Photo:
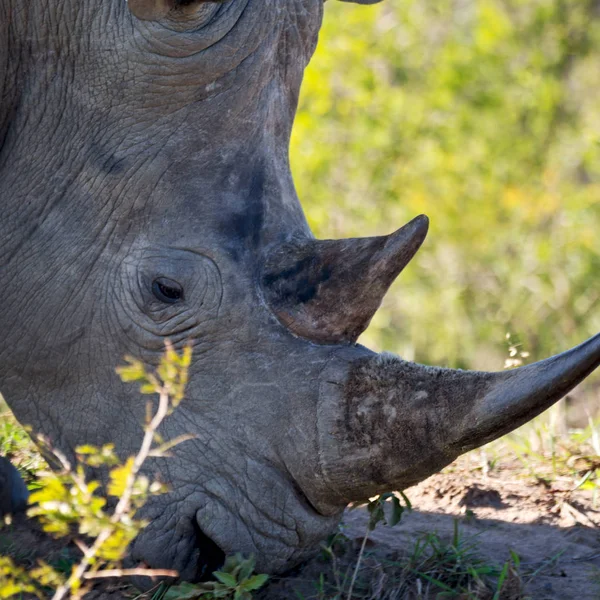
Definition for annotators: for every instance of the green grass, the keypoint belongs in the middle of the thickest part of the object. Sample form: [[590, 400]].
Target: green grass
[[433, 567], [537, 452], [16, 445]]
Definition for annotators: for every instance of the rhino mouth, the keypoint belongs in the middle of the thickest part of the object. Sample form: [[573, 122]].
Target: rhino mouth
[[211, 557], [275, 522]]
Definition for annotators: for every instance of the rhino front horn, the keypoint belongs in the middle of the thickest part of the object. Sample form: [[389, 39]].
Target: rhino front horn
[[385, 423], [327, 291]]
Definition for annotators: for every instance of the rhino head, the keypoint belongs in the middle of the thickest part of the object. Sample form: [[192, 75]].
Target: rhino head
[[146, 194]]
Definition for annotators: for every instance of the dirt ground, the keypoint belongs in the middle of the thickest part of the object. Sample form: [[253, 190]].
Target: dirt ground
[[554, 530]]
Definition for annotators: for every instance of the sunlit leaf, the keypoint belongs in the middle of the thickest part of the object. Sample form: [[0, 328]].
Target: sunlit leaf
[[119, 477]]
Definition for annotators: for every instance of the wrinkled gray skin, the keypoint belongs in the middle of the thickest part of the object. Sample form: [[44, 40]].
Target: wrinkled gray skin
[[156, 146]]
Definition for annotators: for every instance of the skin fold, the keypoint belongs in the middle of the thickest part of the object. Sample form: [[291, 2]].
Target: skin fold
[[145, 148]]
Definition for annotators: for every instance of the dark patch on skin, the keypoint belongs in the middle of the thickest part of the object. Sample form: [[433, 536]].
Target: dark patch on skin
[[255, 213], [234, 253], [245, 229], [298, 268], [107, 162], [305, 291], [308, 287], [299, 283]]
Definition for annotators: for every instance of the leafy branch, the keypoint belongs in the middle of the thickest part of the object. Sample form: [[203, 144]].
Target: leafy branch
[[68, 500]]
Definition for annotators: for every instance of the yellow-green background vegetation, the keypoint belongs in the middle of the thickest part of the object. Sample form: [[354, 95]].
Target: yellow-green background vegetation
[[485, 115]]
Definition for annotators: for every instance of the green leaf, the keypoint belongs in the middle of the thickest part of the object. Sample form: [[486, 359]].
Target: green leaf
[[256, 582], [376, 511], [186, 357], [134, 371], [226, 578], [183, 591], [231, 563], [45, 575], [501, 580], [437, 582], [245, 567], [515, 558], [148, 388], [406, 500], [87, 449], [396, 513], [118, 478]]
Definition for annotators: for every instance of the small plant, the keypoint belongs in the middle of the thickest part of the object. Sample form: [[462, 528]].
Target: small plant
[[516, 355], [236, 581], [433, 567], [16, 445], [67, 501], [455, 570], [377, 514]]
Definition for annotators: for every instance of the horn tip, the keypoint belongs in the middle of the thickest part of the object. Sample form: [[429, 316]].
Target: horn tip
[[422, 222], [411, 235]]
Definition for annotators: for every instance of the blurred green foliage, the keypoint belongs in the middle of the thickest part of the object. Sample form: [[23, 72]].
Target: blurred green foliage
[[485, 115]]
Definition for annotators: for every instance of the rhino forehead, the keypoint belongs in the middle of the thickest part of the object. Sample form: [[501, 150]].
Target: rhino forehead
[[128, 116]]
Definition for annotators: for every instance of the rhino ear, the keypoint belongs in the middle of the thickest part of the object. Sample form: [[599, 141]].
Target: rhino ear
[[362, 1], [154, 10]]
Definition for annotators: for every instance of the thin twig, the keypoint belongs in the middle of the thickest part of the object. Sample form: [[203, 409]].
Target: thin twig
[[358, 561], [131, 573], [124, 503]]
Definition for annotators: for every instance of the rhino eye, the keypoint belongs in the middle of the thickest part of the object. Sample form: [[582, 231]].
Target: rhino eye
[[167, 290]]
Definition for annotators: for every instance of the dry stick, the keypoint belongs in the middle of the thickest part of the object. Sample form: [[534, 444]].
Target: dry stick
[[123, 505], [358, 560], [131, 573]]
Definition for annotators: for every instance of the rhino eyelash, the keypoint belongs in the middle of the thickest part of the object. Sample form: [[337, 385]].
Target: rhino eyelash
[[167, 291]]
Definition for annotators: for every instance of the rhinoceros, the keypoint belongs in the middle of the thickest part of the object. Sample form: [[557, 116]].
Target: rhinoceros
[[146, 195]]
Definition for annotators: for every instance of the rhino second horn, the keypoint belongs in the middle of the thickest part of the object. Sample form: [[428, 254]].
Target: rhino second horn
[[327, 291]]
